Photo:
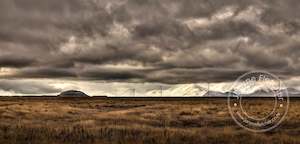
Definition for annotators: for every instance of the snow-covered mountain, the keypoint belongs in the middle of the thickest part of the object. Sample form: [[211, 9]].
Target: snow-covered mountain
[[223, 91], [292, 92], [180, 90]]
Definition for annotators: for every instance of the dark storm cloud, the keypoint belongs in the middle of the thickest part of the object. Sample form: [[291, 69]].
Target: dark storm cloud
[[112, 74], [174, 41], [46, 72], [262, 58], [13, 61], [178, 75]]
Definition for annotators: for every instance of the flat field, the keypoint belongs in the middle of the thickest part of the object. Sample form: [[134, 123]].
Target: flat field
[[46, 120]]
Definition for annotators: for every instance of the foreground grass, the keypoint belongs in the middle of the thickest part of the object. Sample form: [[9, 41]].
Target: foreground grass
[[51, 121], [120, 135]]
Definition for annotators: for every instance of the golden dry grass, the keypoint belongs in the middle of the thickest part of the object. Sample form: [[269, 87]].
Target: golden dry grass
[[134, 121]]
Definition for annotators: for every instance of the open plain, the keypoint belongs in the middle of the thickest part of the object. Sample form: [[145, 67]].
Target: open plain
[[44, 120]]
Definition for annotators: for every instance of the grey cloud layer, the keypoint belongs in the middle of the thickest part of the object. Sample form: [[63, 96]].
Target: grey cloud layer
[[27, 87], [167, 41]]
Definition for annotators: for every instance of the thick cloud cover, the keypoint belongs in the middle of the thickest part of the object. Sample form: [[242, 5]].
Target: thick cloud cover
[[165, 41]]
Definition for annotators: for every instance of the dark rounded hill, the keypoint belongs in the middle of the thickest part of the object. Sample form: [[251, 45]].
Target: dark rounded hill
[[73, 94]]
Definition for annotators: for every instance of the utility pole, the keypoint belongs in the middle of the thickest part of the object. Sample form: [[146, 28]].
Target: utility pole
[[161, 91], [134, 92], [208, 87]]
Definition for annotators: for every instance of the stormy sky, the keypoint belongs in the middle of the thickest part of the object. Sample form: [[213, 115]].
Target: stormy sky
[[144, 41]]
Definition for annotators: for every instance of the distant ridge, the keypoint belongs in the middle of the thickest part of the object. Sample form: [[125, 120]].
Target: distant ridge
[[215, 94], [73, 94]]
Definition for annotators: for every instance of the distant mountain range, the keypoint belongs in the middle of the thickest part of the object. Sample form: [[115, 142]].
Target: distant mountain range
[[190, 90], [215, 94], [292, 92], [179, 90]]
